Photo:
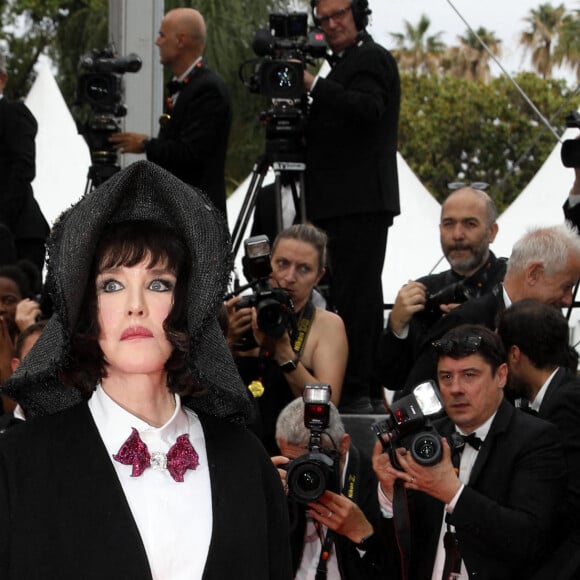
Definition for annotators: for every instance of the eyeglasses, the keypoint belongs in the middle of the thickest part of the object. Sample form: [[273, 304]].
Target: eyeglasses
[[481, 185], [458, 346], [338, 15]]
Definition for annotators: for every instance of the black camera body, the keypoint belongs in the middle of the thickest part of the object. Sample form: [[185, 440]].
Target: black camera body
[[455, 293], [570, 152], [310, 475], [274, 307], [100, 87], [284, 48], [409, 426]]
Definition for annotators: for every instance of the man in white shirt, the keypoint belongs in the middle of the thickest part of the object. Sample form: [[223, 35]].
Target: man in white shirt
[[500, 507]]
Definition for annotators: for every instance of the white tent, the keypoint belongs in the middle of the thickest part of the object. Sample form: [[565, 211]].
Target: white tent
[[62, 156], [539, 204]]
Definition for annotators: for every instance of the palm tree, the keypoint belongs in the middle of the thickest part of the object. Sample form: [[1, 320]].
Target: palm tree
[[567, 50], [415, 51], [470, 60], [544, 25]]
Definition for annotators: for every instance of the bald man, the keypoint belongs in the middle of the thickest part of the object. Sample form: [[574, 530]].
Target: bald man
[[467, 227], [195, 126]]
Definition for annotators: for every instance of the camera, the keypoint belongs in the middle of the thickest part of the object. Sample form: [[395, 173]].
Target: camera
[[409, 426], [570, 152], [274, 307], [100, 87], [455, 293], [283, 50], [310, 475]]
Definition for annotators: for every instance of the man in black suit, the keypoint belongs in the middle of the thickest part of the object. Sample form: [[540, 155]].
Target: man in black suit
[[349, 516], [467, 227], [496, 514], [19, 211], [194, 131], [544, 265], [352, 187], [536, 338]]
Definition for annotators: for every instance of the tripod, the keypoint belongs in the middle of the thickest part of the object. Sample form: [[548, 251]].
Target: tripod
[[97, 174], [283, 170]]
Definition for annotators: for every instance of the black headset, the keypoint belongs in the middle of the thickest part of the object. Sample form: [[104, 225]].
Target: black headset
[[360, 13]]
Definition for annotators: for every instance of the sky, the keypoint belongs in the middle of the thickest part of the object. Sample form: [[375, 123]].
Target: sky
[[503, 17]]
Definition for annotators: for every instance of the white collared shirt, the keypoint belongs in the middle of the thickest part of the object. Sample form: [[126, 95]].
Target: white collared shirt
[[537, 402], [174, 519]]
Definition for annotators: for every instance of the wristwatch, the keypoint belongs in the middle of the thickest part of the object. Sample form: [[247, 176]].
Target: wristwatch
[[289, 365], [364, 543]]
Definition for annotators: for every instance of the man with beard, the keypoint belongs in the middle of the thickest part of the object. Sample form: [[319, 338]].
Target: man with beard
[[535, 337], [468, 225], [544, 265]]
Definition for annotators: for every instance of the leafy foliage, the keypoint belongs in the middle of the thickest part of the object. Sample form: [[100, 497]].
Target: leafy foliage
[[454, 129]]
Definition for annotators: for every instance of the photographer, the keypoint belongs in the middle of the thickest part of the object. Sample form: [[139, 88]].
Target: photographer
[[350, 516], [319, 351], [467, 227], [19, 210], [193, 136], [352, 190], [492, 518]]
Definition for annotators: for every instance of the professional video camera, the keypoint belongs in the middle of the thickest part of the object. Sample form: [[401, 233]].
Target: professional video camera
[[311, 474], [274, 307], [100, 87], [408, 426], [283, 50], [570, 152]]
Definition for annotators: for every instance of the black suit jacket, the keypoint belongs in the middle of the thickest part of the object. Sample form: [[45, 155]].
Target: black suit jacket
[[64, 514], [506, 514], [351, 136], [561, 406], [398, 356], [19, 210], [193, 144], [483, 310]]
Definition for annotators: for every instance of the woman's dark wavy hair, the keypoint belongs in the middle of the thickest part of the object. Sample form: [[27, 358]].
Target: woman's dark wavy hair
[[128, 244]]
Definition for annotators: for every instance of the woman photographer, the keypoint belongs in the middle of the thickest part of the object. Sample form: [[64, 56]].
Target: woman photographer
[[153, 476], [278, 370]]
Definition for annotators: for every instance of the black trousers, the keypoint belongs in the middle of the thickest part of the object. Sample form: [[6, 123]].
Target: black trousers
[[357, 246]]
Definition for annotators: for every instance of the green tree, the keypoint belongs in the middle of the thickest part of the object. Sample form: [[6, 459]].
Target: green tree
[[543, 27], [453, 129], [415, 51]]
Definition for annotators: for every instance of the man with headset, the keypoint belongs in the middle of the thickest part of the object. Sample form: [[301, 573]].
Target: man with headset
[[351, 179]]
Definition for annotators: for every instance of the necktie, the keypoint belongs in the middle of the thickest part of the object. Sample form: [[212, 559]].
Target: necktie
[[472, 440], [180, 457]]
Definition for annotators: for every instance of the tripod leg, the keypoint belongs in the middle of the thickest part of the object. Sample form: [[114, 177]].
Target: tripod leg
[[247, 208]]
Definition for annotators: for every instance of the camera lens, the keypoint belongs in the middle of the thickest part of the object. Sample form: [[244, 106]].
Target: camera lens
[[426, 449], [306, 481]]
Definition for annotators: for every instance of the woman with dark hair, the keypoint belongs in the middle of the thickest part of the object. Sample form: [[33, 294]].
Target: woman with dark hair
[[136, 463]]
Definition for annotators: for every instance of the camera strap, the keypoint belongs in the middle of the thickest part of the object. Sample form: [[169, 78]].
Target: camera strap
[[402, 523], [452, 566], [303, 327], [322, 568]]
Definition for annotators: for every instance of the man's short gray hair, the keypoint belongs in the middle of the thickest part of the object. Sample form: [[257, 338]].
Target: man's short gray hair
[[290, 424], [549, 245], [2, 62]]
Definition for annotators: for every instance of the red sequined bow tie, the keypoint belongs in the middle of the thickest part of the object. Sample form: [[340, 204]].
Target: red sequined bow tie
[[180, 457]]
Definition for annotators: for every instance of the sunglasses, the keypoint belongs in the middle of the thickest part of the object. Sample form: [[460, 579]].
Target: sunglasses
[[481, 185], [458, 346]]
